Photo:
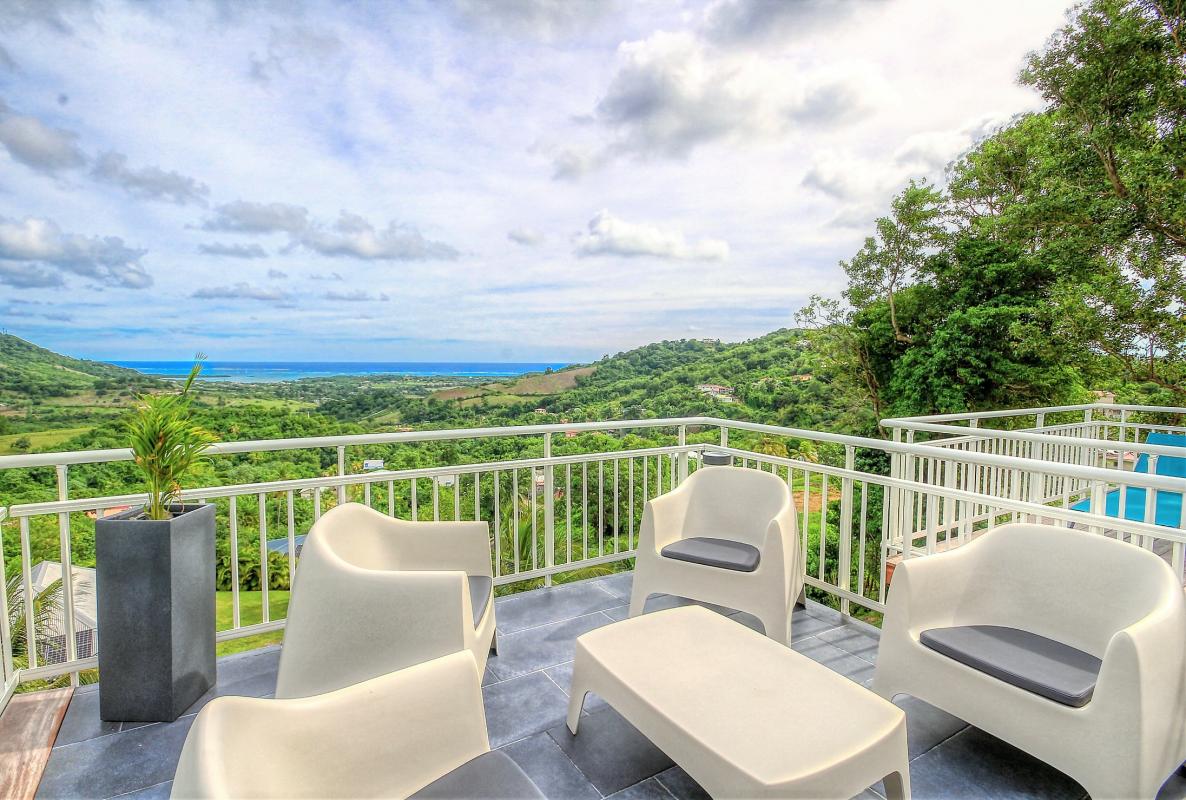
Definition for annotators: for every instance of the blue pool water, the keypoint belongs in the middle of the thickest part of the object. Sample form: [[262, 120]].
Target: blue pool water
[[1168, 505], [270, 371]]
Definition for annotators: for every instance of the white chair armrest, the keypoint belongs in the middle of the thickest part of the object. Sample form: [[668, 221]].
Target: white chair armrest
[[924, 590], [663, 520], [781, 546], [461, 546], [1142, 674], [389, 736]]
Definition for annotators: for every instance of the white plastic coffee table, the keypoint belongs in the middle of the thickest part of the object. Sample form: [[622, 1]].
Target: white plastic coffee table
[[743, 715]]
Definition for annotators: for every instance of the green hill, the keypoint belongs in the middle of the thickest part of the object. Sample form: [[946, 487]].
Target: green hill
[[768, 379], [29, 372]]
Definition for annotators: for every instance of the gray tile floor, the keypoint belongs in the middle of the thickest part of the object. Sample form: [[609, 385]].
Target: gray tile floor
[[525, 689]]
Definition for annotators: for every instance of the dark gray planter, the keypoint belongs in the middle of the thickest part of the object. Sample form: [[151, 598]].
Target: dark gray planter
[[155, 596]]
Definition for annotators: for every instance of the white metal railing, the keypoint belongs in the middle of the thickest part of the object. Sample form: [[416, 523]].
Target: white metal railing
[[557, 514], [1100, 436]]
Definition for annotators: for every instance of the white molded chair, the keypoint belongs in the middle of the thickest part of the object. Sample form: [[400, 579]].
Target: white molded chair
[[1069, 645], [374, 594], [726, 535], [419, 732]]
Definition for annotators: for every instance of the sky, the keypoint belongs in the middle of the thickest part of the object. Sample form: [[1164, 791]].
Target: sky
[[498, 180]]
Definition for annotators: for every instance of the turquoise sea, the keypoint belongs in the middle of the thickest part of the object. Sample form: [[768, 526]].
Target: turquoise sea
[[271, 371]]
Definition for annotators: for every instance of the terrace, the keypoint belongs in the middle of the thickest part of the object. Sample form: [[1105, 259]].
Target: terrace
[[575, 511]]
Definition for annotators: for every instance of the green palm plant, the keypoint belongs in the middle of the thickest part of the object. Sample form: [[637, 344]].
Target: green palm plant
[[167, 443], [47, 606]]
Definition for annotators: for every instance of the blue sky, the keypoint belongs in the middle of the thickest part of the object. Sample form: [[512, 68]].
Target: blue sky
[[474, 179]]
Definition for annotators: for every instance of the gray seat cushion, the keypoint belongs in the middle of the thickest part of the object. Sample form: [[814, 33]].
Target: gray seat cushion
[[489, 776], [479, 595], [722, 553], [1026, 660]]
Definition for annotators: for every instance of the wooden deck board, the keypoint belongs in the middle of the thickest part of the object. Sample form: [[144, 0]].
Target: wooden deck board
[[28, 728]]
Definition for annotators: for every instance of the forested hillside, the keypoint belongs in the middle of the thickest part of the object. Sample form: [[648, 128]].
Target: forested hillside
[[29, 372], [1054, 260]]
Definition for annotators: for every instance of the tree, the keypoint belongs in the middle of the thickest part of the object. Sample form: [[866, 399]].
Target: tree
[[890, 259]]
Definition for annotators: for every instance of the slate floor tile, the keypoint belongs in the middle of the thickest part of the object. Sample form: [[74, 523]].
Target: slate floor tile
[[517, 708], [82, 720], [835, 659], [681, 785], [550, 769], [973, 764], [529, 610], [926, 726], [561, 674], [619, 585], [545, 646], [159, 792], [115, 764], [852, 640], [610, 751], [649, 789]]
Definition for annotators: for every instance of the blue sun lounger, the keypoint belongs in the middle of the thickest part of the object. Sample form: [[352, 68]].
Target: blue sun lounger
[[1169, 504]]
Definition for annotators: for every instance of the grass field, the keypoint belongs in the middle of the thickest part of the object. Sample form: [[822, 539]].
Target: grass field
[[250, 612], [39, 440]]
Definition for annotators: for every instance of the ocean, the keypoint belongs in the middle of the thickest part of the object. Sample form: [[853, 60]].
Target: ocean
[[272, 371]]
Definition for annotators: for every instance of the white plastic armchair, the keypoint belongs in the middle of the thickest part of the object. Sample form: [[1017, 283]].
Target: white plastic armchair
[[751, 559], [1116, 602], [374, 594], [420, 731]]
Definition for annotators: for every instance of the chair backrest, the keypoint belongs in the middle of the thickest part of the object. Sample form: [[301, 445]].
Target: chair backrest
[[358, 535], [1073, 586], [733, 503]]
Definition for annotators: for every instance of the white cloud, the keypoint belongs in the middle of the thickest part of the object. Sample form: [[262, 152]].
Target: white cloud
[[355, 237], [39, 146], [241, 291], [232, 250], [244, 216], [528, 237], [545, 19], [746, 22], [36, 246], [149, 183], [356, 296], [609, 235], [277, 274]]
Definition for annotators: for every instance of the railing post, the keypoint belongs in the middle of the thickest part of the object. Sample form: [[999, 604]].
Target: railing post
[[67, 561], [889, 526], [7, 671], [683, 456], [341, 474], [724, 436], [844, 569], [549, 513]]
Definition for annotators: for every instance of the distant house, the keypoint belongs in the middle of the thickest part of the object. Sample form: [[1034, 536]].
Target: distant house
[[108, 512], [51, 638], [716, 391], [801, 378], [541, 411]]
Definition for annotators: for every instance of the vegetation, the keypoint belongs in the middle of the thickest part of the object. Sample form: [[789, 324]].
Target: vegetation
[[1053, 261], [166, 444]]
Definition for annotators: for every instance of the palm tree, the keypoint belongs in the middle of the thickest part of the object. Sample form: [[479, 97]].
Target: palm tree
[[48, 608]]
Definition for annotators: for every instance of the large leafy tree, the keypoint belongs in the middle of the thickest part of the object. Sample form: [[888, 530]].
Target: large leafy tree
[[1064, 259]]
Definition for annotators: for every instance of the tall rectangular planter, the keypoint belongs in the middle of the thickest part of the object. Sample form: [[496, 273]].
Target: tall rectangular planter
[[155, 600]]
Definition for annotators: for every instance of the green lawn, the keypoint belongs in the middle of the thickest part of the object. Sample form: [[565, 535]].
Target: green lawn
[[39, 440], [250, 612]]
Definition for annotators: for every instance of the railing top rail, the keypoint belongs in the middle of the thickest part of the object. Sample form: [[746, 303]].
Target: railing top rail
[[902, 422], [919, 449], [334, 481], [1044, 438], [351, 440], [954, 493]]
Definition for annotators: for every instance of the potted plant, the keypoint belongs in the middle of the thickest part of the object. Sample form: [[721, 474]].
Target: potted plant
[[155, 574]]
